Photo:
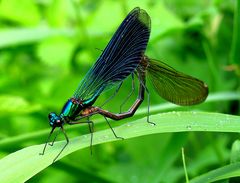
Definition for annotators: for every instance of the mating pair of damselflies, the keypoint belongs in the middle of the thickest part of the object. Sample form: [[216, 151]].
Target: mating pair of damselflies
[[124, 56]]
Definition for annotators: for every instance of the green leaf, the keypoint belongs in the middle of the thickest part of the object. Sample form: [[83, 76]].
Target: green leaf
[[228, 171], [56, 51], [235, 152], [25, 13], [94, 21], [166, 21], [16, 105], [57, 13], [235, 54], [216, 97], [184, 166], [20, 36], [23, 164]]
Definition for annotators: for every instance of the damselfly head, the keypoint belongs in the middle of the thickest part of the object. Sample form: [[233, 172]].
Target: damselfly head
[[55, 120]]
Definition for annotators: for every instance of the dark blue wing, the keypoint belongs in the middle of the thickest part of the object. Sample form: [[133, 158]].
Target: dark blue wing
[[121, 56]]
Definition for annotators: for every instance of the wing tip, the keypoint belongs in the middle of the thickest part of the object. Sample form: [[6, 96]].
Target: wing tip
[[142, 16]]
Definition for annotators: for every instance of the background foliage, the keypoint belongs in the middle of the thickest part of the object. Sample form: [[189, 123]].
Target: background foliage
[[46, 48]]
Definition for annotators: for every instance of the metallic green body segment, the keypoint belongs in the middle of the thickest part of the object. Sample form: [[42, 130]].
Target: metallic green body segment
[[73, 107]]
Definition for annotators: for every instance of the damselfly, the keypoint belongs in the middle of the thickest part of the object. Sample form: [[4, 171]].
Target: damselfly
[[123, 57]]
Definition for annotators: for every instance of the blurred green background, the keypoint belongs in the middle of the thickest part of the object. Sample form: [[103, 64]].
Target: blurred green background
[[46, 48]]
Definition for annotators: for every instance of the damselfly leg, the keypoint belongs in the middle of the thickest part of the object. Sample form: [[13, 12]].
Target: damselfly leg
[[90, 126], [114, 94], [148, 101], [67, 141], [112, 129], [130, 94], [54, 139], [49, 136]]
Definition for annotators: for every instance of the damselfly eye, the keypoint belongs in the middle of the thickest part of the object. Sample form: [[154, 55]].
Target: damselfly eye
[[51, 115]]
